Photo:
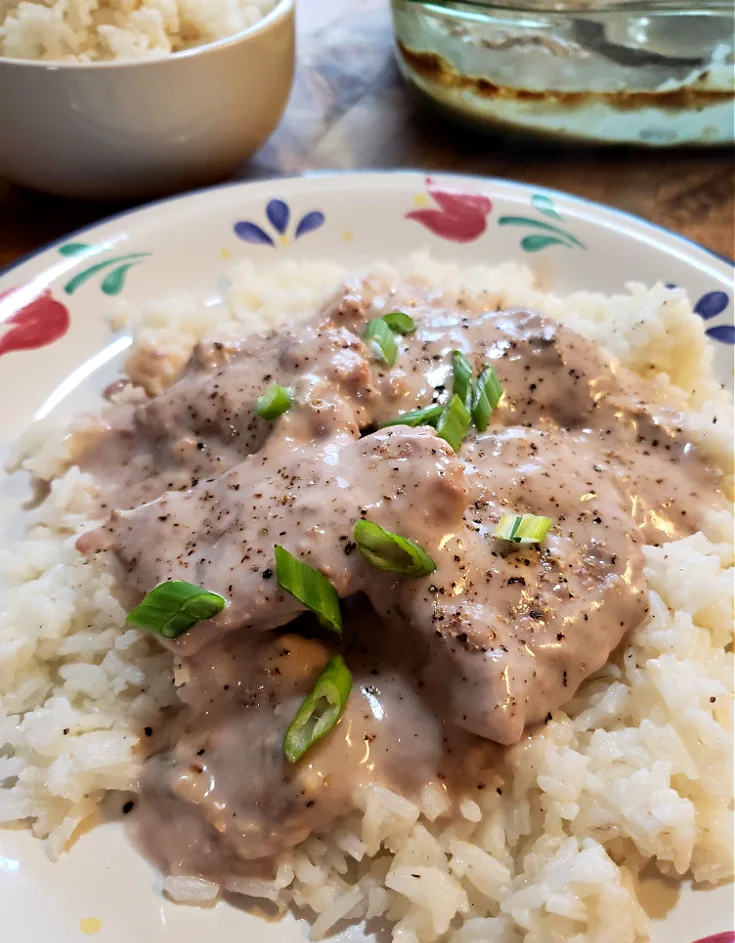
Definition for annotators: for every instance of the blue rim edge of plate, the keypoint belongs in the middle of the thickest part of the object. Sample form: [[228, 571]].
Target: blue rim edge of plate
[[407, 171]]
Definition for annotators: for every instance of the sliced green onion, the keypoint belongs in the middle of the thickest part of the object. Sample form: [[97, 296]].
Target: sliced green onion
[[388, 551], [380, 340], [487, 395], [273, 403], [399, 322], [175, 606], [523, 529], [417, 417], [453, 422], [310, 587], [320, 711], [507, 526], [462, 377]]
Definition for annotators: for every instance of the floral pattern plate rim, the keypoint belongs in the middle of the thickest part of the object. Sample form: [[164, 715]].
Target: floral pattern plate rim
[[56, 355]]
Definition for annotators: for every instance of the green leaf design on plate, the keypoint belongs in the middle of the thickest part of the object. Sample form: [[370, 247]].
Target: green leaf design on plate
[[114, 283], [537, 242], [538, 224], [551, 235], [545, 205], [84, 276], [74, 248]]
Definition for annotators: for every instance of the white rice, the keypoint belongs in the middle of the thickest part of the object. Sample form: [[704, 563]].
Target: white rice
[[636, 769], [104, 30]]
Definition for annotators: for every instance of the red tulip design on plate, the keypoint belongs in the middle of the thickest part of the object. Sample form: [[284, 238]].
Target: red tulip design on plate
[[37, 323], [461, 217]]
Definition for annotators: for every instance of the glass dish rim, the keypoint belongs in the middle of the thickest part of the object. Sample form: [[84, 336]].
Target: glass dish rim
[[595, 7]]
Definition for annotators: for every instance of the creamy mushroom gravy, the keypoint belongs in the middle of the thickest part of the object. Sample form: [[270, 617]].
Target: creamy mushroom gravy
[[498, 636], [221, 793]]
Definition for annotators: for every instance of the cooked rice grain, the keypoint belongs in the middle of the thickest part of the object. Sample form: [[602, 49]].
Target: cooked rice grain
[[103, 30]]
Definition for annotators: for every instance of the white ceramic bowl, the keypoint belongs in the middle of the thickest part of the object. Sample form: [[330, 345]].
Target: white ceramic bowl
[[143, 128]]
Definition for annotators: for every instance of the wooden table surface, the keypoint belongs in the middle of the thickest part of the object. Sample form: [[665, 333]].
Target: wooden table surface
[[350, 109]]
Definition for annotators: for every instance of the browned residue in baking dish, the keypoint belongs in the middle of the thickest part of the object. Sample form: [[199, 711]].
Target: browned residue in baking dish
[[434, 68]]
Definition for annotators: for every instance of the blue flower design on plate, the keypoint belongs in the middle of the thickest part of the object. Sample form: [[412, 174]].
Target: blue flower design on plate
[[709, 306], [278, 214], [725, 333]]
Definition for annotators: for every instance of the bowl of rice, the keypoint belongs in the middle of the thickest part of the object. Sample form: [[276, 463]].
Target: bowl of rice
[[137, 98]]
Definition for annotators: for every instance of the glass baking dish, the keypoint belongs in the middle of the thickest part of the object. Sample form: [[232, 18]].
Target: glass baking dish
[[656, 73]]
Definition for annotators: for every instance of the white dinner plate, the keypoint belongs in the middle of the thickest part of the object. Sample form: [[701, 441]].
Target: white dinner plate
[[56, 354]]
